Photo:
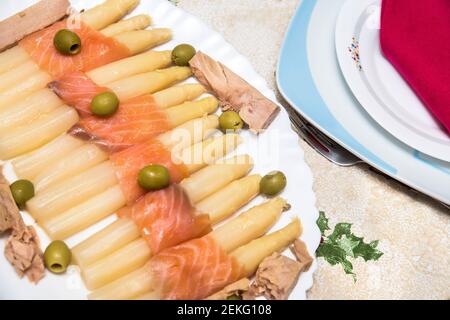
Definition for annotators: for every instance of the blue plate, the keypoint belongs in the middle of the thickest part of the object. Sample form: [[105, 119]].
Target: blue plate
[[309, 78]]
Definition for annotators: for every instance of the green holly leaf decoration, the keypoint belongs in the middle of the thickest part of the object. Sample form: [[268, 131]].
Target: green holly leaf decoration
[[341, 229], [342, 244], [334, 254], [368, 251], [348, 245], [322, 222]]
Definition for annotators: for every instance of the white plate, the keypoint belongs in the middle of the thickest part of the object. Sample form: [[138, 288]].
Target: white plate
[[376, 84], [278, 149], [310, 79]]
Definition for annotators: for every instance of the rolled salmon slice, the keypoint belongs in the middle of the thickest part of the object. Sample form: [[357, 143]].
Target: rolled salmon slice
[[77, 90], [97, 49], [167, 218], [129, 162], [136, 121], [194, 270]]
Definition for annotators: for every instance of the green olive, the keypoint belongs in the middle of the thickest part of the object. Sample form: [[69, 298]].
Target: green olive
[[57, 256], [154, 177], [230, 120], [22, 191], [273, 183], [105, 104], [67, 42], [182, 54]]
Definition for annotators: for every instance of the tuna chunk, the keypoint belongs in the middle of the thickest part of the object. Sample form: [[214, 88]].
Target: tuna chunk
[[238, 288], [277, 275], [22, 248], [234, 92], [23, 252], [32, 19]]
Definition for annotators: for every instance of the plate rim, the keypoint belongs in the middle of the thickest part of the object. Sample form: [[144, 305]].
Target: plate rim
[[303, 17], [309, 5], [367, 101]]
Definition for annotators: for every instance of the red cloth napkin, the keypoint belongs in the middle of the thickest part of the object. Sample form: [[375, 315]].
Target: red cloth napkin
[[415, 38]]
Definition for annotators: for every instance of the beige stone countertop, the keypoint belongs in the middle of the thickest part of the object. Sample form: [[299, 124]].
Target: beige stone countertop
[[413, 230]]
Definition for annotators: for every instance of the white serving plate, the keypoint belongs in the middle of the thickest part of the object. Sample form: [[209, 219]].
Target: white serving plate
[[309, 78], [379, 87], [277, 148]]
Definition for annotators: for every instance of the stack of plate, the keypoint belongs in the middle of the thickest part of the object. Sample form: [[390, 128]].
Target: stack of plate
[[333, 73]]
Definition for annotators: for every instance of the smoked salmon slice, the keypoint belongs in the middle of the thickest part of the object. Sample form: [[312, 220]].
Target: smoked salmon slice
[[194, 270], [96, 50], [129, 162], [167, 218], [137, 121], [77, 90]]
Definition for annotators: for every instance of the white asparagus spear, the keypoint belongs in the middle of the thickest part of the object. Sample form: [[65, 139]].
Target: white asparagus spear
[[148, 82], [128, 287], [14, 76], [144, 62], [97, 18], [141, 40], [135, 41], [240, 191], [177, 95], [252, 254], [44, 100], [30, 165], [92, 248], [136, 253], [84, 214], [108, 12], [89, 155], [73, 191], [189, 133], [235, 232], [49, 126], [28, 109], [39, 132], [15, 145], [253, 224], [25, 88], [12, 58], [151, 295], [118, 234], [106, 174], [77, 218], [194, 185], [138, 22], [207, 152], [121, 262], [101, 244], [79, 160], [178, 115]]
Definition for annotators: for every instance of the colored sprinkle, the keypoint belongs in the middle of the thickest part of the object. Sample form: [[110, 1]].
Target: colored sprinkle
[[354, 50]]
